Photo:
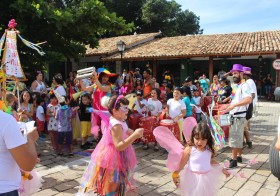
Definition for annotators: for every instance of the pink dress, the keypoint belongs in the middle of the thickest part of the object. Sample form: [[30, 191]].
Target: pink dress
[[110, 172], [199, 177]]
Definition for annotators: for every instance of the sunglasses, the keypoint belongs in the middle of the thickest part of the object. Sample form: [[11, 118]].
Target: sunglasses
[[124, 108]]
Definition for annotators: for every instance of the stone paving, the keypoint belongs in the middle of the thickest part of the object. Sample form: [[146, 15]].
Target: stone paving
[[62, 175]]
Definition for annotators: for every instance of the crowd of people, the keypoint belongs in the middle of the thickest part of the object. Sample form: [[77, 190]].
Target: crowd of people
[[102, 110]]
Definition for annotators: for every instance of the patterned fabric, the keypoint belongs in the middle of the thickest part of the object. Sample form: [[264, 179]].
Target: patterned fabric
[[149, 123], [52, 124], [63, 117]]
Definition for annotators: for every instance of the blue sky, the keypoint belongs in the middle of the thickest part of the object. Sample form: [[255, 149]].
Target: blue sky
[[229, 16]]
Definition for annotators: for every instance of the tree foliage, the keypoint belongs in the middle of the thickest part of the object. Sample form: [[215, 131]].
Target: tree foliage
[[154, 15], [66, 25]]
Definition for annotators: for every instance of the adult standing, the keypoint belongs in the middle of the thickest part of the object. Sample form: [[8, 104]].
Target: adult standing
[[268, 85], [16, 153], [254, 94], [225, 90], [237, 109], [58, 85], [148, 84], [188, 82], [214, 87], [38, 85], [101, 88], [204, 83]]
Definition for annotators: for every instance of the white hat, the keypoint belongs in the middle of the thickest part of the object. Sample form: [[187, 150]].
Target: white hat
[[60, 98]]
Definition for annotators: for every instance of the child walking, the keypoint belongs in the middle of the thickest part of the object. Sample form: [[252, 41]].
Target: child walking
[[40, 116], [65, 132], [113, 161], [85, 118], [201, 173], [52, 108]]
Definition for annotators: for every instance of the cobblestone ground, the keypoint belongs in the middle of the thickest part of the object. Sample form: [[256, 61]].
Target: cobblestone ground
[[62, 175]]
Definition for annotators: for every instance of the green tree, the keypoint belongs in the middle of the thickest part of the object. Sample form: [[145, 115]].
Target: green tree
[[168, 17], [66, 25]]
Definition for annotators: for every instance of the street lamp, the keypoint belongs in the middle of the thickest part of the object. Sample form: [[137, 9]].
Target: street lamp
[[121, 48]]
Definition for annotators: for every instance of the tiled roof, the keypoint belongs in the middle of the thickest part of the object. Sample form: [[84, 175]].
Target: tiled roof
[[235, 44], [108, 45]]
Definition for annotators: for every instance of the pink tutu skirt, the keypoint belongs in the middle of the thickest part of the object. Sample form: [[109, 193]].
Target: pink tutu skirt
[[29, 187], [110, 172], [196, 184]]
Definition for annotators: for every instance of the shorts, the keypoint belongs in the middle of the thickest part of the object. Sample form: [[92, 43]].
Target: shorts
[[67, 136], [40, 125], [236, 132], [12, 193], [85, 128]]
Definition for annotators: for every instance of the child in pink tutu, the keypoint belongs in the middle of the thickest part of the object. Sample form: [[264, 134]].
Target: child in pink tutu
[[201, 173], [113, 161]]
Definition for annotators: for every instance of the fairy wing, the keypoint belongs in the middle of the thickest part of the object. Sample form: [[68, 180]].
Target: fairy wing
[[167, 140], [188, 125]]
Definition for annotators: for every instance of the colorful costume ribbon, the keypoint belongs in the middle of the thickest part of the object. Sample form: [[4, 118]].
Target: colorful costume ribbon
[[33, 46], [217, 132]]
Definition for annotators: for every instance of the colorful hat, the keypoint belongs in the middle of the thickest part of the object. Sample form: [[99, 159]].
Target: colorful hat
[[105, 71], [247, 70], [237, 67]]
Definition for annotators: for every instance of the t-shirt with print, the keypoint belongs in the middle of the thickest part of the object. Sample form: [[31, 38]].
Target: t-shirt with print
[[242, 92], [10, 137], [154, 107], [175, 107]]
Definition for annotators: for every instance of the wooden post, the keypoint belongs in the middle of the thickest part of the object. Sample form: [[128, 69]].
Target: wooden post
[[277, 80], [211, 68]]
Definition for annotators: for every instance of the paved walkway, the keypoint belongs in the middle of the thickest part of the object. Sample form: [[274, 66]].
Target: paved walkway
[[62, 175]]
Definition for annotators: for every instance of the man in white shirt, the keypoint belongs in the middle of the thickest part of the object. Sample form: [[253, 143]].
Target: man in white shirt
[[237, 109], [15, 153], [253, 87]]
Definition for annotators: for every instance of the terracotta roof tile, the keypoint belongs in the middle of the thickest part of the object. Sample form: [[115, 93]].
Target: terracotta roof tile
[[108, 45], [235, 44]]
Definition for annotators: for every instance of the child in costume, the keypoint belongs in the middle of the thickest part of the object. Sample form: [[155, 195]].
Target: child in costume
[[64, 128], [52, 108], [201, 173], [110, 171]]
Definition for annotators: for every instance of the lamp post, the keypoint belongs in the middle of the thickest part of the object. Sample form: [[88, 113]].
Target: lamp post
[[121, 48]]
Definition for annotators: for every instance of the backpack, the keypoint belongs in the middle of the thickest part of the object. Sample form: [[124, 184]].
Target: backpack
[[249, 112]]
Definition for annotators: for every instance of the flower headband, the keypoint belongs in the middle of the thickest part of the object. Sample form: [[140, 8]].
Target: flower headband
[[119, 97]]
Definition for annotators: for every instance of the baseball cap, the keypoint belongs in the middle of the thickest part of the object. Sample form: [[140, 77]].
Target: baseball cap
[[137, 69]]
